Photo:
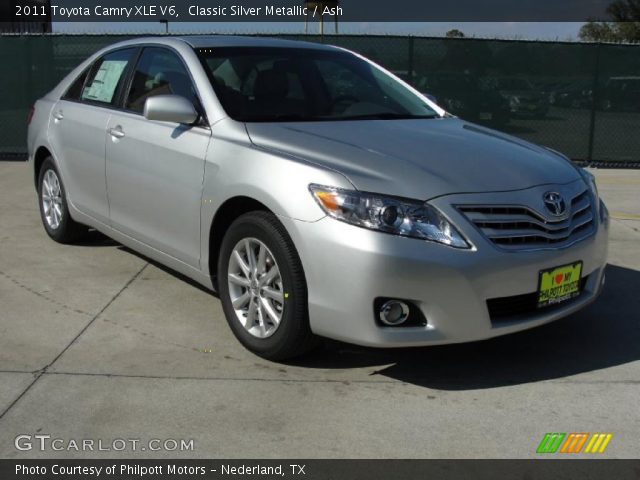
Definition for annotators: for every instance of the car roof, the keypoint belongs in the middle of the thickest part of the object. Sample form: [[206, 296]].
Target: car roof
[[213, 41]]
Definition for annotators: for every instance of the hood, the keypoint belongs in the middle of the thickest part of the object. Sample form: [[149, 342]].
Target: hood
[[419, 159]]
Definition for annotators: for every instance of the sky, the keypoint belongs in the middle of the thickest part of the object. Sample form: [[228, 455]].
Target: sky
[[562, 31]]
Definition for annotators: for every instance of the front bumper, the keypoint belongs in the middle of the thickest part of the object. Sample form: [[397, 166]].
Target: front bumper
[[347, 268]]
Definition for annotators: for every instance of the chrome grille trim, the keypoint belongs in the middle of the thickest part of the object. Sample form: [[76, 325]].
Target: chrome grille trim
[[519, 227]]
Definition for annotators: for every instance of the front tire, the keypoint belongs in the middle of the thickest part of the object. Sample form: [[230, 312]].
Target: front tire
[[262, 288], [54, 210]]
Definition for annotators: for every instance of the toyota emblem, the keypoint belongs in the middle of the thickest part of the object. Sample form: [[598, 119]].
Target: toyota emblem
[[555, 203]]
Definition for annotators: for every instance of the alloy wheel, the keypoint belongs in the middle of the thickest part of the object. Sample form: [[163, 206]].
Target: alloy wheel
[[255, 287], [52, 199]]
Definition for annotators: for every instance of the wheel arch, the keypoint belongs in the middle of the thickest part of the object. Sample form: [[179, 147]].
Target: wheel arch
[[42, 153], [231, 209]]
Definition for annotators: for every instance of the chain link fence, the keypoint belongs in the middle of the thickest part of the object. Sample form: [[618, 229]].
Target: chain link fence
[[580, 99]]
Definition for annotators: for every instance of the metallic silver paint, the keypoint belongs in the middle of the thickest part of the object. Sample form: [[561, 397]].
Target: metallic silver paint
[[154, 177], [79, 139], [170, 108], [395, 157], [156, 187]]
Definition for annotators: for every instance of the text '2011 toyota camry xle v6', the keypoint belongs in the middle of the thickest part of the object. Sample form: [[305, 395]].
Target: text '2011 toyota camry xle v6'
[[320, 195]]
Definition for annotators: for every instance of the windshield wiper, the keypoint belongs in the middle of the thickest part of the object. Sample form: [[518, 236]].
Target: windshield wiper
[[386, 116]]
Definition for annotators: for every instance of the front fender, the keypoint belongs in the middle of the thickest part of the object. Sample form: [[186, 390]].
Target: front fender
[[236, 168]]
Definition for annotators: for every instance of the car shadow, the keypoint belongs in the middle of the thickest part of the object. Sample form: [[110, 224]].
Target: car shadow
[[168, 270], [605, 334], [94, 238]]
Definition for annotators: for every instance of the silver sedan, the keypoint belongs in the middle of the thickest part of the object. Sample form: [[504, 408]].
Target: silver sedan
[[320, 195]]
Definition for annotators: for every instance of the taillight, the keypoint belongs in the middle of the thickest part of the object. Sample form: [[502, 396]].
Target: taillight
[[32, 110]]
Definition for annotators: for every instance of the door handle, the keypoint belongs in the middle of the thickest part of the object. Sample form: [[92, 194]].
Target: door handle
[[116, 132], [58, 115]]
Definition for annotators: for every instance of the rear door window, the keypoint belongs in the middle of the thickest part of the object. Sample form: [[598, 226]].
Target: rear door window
[[106, 77]]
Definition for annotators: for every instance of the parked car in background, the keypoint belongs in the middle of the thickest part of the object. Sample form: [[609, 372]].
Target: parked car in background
[[462, 95], [575, 94], [549, 87], [621, 94], [524, 99], [316, 193]]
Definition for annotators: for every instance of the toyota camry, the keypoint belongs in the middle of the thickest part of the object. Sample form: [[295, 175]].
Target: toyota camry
[[317, 193]]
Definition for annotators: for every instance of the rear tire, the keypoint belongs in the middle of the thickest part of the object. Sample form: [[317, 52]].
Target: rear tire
[[54, 210], [270, 319]]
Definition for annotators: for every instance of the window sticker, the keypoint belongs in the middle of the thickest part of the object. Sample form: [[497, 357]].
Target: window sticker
[[104, 84]]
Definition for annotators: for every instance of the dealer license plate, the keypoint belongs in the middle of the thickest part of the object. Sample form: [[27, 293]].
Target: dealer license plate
[[559, 284]]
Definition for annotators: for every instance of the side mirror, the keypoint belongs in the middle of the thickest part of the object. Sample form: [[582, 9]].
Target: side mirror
[[170, 108]]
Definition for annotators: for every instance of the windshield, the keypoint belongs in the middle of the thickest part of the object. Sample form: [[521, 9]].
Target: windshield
[[260, 84]]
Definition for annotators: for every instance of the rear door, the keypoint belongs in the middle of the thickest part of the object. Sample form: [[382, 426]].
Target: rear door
[[78, 127], [155, 169]]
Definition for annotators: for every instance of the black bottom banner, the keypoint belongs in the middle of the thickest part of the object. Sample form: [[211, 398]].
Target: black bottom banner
[[320, 469]]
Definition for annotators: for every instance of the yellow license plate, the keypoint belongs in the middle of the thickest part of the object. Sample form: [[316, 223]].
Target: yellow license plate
[[559, 284]]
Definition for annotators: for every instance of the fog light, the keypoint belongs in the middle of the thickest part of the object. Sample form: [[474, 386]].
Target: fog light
[[394, 312]]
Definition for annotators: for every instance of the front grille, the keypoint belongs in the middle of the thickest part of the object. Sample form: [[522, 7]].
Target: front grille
[[515, 227], [506, 308]]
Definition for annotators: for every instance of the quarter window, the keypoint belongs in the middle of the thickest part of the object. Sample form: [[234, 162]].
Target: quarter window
[[159, 72], [106, 77]]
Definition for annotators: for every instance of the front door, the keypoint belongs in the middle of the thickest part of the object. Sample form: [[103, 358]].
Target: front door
[[155, 169]]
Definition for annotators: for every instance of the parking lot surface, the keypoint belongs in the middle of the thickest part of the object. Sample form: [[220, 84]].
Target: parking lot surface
[[97, 343]]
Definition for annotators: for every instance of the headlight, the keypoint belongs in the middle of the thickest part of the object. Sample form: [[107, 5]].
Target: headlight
[[388, 214], [590, 180]]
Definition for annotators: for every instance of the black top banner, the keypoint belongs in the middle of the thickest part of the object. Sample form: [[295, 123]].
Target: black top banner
[[299, 10]]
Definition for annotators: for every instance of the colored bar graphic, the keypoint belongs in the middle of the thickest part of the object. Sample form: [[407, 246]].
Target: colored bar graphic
[[598, 443], [581, 442], [550, 443], [574, 442]]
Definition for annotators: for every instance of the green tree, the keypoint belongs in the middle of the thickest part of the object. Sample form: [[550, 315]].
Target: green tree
[[455, 33], [624, 27]]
